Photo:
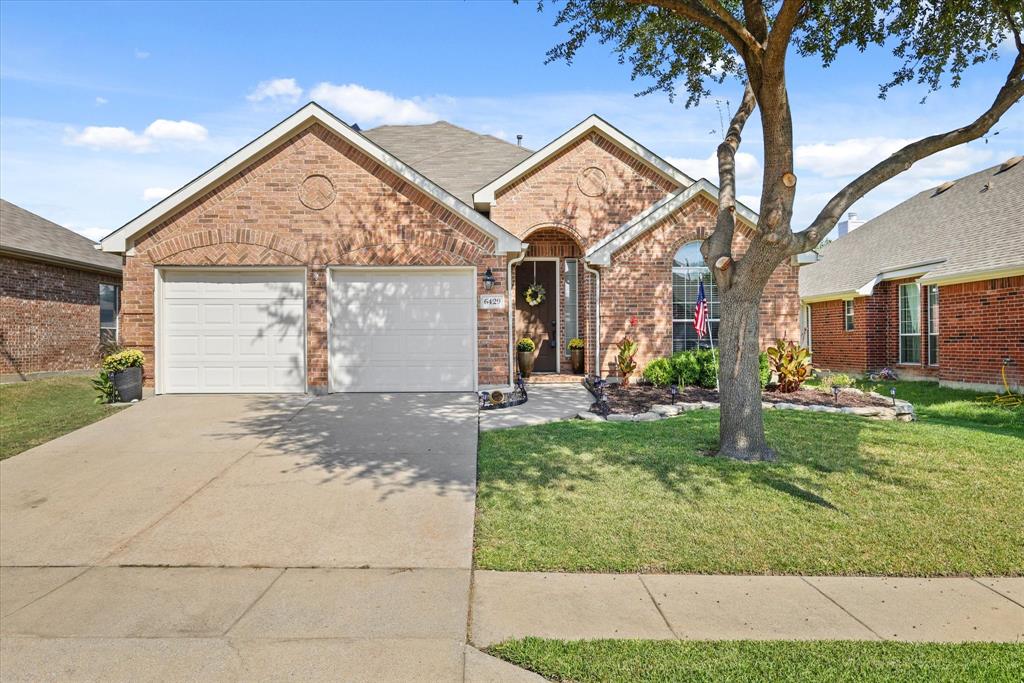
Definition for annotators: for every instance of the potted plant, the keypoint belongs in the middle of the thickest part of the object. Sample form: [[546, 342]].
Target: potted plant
[[123, 370], [525, 348], [576, 354]]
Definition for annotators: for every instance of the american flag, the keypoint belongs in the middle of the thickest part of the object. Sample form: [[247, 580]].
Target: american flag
[[700, 313]]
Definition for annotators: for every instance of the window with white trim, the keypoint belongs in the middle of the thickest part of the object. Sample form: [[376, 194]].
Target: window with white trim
[[910, 323], [110, 306], [933, 324], [688, 271], [848, 315]]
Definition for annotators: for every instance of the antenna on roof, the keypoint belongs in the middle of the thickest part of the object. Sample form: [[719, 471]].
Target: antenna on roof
[[519, 139]]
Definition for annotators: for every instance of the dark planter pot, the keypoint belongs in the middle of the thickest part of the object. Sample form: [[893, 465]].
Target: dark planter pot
[[128, 383], [577, 356], [525, 359]]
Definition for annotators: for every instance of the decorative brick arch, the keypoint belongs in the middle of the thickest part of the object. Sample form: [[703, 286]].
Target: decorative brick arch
[[562, 228], [227, 241]]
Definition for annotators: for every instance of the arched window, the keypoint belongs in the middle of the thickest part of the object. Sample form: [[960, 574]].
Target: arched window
[[688, 270]]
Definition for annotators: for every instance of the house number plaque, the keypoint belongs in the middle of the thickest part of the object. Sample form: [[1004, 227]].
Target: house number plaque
[[492, 301]]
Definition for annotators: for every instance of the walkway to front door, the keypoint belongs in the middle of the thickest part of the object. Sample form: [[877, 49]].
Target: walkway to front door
[[539, 322]]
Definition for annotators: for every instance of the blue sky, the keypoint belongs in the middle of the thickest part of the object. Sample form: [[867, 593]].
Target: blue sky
[[105, 107]]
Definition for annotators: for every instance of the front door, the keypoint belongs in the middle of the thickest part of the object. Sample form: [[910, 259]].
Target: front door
[[539, 322]]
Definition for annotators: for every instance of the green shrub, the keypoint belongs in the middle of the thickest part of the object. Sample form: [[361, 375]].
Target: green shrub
[[526, 344], [838, 379], [575, 343], [764, 369], [698, 368], [105, 390], [122, 360], [659, 372]]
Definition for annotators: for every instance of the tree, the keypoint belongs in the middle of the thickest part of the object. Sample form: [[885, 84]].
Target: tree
[[690, 43]]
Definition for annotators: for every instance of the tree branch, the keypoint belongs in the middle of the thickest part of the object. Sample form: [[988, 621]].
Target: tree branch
[[756, 19], [782, 30], [712, 15], [903, 159], [719, 244]]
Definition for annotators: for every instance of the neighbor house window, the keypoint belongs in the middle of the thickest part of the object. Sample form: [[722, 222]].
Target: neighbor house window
[[571, 306], [848, 315], [933, 324], [910, 323], [688, 271], [110, 306]]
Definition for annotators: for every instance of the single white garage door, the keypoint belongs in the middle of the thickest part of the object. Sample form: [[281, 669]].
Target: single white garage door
[[233, 332], [402, 329]]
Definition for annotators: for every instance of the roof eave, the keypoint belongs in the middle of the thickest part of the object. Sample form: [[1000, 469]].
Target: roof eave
[[59, 261], [484, 197], [119, 241]]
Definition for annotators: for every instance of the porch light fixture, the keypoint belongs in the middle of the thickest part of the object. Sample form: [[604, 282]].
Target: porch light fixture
[[488, 279]]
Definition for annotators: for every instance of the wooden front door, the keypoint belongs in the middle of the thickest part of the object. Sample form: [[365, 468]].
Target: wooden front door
[[540, 322]]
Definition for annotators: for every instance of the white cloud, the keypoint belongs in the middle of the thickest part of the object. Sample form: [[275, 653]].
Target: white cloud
[[141, 54], [153, 194], [100, 101], [108, 137], [746, 166], [278, 89], [92, 232], [163, 129], [856, 155], [357, 104]]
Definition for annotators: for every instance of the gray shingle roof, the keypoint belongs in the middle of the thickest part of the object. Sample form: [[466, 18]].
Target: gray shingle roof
[[23, 232], [457, 159], [975, 226]]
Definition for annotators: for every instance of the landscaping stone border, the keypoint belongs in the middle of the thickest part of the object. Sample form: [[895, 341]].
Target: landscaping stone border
[[903, 411]]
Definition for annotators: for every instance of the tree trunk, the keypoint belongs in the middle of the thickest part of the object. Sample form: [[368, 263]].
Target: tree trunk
[[740, 424]]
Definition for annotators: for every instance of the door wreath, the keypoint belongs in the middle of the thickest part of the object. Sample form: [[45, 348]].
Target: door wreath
[[535, 293]]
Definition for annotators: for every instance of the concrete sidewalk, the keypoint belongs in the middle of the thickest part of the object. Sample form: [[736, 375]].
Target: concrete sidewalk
[[690, 607], [547, 403]]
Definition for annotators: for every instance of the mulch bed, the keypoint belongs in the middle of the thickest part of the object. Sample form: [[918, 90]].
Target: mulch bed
[[638, 398]]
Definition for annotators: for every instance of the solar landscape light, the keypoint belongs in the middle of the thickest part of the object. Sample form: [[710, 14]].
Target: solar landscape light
[[892, 392]]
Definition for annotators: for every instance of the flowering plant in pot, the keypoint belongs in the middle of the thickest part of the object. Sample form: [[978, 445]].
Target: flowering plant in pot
[[524, 354], [120, 377], [576, 351]]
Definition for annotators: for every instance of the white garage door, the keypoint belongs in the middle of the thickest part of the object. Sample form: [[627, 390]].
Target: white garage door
[[402, 330], [233, 332]]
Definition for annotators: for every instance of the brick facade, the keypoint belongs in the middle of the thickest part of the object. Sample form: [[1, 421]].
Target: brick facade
[[980, 324], [49, 316], [258, 218], [370, 216]]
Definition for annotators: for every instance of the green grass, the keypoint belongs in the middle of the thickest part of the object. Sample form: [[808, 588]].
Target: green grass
[[951, 406], [848, 495], [35, 412], [645, 661]]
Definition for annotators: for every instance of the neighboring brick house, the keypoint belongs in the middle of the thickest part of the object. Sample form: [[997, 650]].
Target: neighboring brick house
[[324, 258], [59, 296], [933, 287]]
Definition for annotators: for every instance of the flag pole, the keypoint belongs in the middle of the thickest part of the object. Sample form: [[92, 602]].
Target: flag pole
[[711, 340]]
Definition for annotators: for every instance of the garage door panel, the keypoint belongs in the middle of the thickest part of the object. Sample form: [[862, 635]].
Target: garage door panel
[[231, 332], [402, 330]]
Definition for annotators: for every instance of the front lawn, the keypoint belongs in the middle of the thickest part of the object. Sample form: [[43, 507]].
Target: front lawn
[[35, 412], [646, 661], [848, 495]]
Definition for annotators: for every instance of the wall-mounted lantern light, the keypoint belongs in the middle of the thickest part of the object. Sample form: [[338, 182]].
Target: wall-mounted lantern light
[[488, 279]]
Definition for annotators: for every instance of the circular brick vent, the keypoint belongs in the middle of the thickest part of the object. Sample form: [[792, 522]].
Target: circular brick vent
[[316, 192], [592, 181]]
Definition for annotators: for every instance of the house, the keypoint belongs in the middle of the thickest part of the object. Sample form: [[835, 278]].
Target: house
[[59, 296], [933, 287], [324, 258]]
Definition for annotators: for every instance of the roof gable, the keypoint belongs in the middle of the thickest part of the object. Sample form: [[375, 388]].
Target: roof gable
[[25, 233], [484, 197], [120, 240], [601, 253]]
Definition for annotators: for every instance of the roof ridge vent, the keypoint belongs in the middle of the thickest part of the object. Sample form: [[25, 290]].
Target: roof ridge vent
[[944, 186], [1010, 163]]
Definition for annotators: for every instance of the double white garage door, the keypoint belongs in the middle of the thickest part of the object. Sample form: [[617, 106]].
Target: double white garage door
[[401, 329]]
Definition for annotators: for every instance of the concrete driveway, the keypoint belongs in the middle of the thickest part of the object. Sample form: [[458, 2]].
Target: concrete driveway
[[245, 538]]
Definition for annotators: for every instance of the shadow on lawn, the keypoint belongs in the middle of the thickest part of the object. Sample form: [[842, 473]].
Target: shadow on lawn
[[673, 453]]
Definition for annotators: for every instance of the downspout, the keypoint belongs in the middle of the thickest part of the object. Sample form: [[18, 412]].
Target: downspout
[[597, 317], [511, 325]]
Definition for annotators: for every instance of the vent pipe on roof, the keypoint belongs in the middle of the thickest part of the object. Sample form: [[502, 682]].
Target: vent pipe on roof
[[519, 139]]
